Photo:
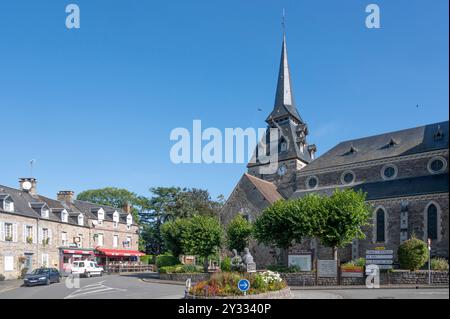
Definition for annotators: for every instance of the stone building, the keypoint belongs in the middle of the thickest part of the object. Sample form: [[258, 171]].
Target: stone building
[[38, 231], [404, 173]]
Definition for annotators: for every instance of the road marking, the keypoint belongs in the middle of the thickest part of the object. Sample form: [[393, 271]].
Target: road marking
[[93, 289]]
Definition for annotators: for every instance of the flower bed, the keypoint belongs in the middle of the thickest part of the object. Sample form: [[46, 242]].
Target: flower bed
[[225, 284]]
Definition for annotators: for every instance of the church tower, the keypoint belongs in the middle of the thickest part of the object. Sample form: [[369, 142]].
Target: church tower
[[293, 151]]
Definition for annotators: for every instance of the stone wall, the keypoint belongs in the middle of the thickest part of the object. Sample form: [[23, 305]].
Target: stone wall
[[402, 277]]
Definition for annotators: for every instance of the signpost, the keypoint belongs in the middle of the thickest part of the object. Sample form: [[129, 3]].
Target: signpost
[[327, 268], [302, 261], [244, 285], [383, 258]]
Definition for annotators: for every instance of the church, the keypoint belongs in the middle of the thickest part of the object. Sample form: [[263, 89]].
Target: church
[[404, 174]]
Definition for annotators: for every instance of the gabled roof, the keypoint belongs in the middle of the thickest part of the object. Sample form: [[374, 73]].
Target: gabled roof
[[267, 189], [399, 143]]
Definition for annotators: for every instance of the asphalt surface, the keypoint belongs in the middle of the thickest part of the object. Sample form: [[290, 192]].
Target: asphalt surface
[[131, 287]]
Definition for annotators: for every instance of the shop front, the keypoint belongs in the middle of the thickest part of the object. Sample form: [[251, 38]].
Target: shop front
[[68, 255], [117, 257]]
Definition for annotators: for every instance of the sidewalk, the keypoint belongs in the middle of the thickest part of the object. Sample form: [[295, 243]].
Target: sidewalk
[[6, 285]]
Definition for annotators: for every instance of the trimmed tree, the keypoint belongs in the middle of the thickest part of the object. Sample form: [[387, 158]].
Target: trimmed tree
[[239, 232], [343, 215], [412, 254], [172, 232], [202, 236]]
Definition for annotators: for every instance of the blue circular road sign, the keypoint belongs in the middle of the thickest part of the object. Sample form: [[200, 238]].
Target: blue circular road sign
[[244, 285]]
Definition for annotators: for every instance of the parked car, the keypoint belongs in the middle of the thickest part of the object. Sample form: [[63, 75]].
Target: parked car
[[86, 268], [42, 276]]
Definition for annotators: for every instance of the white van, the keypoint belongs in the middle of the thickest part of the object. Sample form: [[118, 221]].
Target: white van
[[86, 268]]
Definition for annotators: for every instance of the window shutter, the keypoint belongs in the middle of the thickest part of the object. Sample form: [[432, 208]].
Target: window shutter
[[14, 227], [2, 231], [24, 236], [49, 236], [34, 235]]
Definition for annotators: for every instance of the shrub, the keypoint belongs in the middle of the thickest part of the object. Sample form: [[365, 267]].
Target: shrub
[[354, 264], [180, 269], [226, 264], [148, 259], [166, 260], [440, 264], [412, 254], [2, 277], [239, 232]]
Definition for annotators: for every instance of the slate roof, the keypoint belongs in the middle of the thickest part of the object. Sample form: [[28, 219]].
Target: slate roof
[[23, 200], [410, 141], [414, 186], [267, 189]]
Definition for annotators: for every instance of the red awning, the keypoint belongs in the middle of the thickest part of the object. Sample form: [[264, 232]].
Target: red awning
[[77, 252], [119, 252]]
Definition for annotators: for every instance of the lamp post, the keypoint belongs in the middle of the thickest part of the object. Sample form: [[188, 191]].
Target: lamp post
[[429, 261]]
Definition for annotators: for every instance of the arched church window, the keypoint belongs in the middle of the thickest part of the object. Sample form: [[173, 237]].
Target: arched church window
[[380, 225], [283, 145], [432, 222]]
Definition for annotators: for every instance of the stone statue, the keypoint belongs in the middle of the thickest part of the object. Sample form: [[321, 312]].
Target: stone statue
[[236, 261], [247, 258]]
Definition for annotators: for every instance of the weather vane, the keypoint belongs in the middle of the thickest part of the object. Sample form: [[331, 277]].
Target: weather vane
[[283, 21]]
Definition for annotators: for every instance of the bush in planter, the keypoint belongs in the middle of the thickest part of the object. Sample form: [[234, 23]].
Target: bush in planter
[[439, 264], [166, 260], [412, 254], [226, 264], [181, 269]]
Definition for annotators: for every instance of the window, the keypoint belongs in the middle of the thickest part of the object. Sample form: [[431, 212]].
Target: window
[[283, 145], [8, 232], [100, 216], [347, 177], [9, 206], [380, 225], [115, 241], [312, 182], [80, 240], [64, 241], [116, 219], [64, 216], [115, 224], [100, 239], [437, 165], [80, 219], [44, 261], [432, 222], [127, 243], [129, 219], [389, 172], [9, 263], [28, 234], [44, 213]]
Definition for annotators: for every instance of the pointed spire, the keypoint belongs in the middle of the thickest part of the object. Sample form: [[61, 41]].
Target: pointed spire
[[284, 98]]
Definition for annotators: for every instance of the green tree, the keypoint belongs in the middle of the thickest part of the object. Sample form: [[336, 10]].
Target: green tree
[[173, 233], [114, 197], [342, 218], [412, 254], [239, 232], [202, 237], [286, 222]]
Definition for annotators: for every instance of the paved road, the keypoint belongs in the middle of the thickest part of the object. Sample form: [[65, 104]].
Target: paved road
[[106, 287], [131, 287], [428, 293]]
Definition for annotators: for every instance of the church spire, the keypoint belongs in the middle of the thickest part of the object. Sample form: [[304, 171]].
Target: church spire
[[284, 98]]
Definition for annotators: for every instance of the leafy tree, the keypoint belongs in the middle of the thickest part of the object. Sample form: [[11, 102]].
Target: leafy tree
[[342, 218], [202, 237], [239, 232], [172, 233], [114, 197], [412, 254]]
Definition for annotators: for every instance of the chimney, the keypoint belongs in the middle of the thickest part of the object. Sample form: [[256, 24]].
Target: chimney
[[65, 196], [127, 208], [28, 184]]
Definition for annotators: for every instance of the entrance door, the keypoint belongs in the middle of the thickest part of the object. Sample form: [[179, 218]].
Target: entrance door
[[29, 262]]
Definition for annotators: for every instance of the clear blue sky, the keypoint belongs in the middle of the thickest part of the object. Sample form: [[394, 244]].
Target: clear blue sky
[[95, 106]]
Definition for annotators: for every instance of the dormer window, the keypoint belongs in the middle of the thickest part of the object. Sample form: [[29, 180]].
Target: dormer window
[[100, 216], [116, 219], [392, 143], [439, 134], [64, 216], [81, 220], [45, 212], [129, 220], [6, 203]]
